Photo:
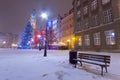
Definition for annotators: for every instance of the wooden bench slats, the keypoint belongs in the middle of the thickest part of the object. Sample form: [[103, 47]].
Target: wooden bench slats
[[99, 58], [93, 54], [96, 63]]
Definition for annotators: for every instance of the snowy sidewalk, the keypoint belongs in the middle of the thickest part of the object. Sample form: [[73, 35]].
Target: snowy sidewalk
[[31, 65]]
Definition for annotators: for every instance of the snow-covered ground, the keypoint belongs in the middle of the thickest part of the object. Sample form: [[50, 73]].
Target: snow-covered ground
[[16, 64]]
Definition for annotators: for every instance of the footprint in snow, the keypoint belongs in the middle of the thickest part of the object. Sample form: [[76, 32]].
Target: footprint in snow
[[44, 75], [60, 74]]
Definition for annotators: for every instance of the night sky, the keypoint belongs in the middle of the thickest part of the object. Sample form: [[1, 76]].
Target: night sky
[[14, 14]]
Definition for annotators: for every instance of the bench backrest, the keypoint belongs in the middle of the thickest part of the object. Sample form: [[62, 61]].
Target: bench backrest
[[94, 57]]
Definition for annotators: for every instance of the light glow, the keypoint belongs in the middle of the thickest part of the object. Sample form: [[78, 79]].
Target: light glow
[[14, 45], [44, 15], [38, 36], [4, 42], [32, 40], [113, 34], [68, 40]]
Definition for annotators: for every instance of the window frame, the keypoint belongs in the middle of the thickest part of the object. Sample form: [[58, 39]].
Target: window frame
[[80, 41], [94, 4], [107, 16], [85, 10], [110, 37], [97, 39], [87, 39]]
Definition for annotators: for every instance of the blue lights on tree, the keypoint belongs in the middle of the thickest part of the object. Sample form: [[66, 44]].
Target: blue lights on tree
[[26, 37]]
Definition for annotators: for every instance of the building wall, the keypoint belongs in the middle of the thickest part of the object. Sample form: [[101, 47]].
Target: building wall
[[59, 18], [67, 36], [116, 8], [96, 21]]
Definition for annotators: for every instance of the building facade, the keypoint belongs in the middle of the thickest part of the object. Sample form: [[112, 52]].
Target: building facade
[[97, 24], [67, 36], [8, 40], [57, 29]]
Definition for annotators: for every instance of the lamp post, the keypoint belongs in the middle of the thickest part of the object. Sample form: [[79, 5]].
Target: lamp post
[[45, 16]]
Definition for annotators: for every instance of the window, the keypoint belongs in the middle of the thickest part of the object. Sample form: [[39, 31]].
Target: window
[[84, 0], [78, 25], [94, 5], [110, 37], [86, 23], [78, 14], [80, 41], [108, 16], [105, 1], [85, 10], [96, 38], [87, 40], [95, 20], [78, 3]]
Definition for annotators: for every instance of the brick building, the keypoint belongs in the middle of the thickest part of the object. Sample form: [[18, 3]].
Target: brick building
[[97, 24]]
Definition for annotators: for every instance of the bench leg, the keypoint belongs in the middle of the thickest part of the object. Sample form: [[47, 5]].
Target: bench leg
[[75, 65], [80, 63], [102, 70], [106, 69]]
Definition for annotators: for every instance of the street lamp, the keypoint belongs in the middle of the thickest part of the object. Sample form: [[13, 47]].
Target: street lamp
[[45, 16]]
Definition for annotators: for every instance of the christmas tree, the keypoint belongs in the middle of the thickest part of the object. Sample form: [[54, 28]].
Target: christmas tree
[[26, 36]]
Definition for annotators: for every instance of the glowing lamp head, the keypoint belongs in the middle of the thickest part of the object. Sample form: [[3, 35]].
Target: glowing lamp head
[[44, 15]]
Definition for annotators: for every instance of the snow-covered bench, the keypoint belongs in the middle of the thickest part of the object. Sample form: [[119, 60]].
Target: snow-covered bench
[[101, 60]]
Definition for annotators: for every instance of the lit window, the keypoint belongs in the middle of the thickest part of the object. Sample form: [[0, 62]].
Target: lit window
[[110, 37], [87, 40], [96, 38], [80, 41]]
